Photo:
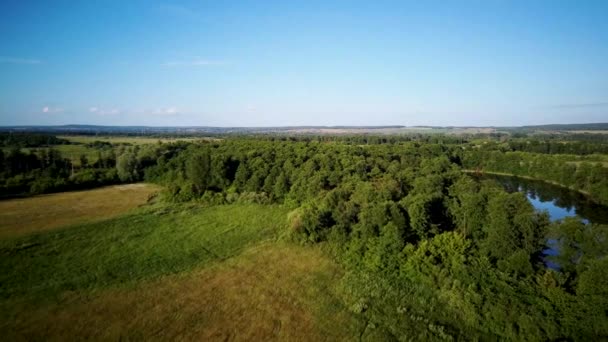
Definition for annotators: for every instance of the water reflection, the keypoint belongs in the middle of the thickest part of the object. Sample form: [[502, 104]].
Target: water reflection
[[559, 202]]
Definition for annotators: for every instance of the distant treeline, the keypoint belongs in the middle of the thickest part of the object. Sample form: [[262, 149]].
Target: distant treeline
[[548, 146], [29, 140], [567, 127], [591, 178], [45, 170]]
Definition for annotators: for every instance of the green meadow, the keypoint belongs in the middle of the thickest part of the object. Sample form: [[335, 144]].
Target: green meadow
[[225, 266]]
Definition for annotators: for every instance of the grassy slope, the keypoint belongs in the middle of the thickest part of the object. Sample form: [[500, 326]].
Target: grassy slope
[[40, 213], [169, 272], [269, 292], [130, 248]]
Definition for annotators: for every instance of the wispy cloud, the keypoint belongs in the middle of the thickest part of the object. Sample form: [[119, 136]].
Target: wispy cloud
[[104, 111], [164, 111], [15, 60], [581, 105], [49, 109], [197, 62]]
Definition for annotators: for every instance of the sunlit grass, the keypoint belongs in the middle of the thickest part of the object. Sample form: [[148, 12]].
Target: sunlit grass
[[272, 291], [130, 248], [172, 272], [40, 213]]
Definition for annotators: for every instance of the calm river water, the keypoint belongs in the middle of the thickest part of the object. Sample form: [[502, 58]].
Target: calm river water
[[559, 202]]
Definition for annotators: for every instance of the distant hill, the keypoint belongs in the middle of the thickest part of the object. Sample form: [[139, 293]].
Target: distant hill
[[162, 129], [569, 127], [390, 129]]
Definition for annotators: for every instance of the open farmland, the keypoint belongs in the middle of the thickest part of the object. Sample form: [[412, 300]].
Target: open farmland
[[45, 212]]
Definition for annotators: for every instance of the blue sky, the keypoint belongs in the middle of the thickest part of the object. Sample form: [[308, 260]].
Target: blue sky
[[246, 63]]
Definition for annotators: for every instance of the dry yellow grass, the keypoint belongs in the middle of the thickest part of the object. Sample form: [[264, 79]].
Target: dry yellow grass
[[35, 214], [269, 292]]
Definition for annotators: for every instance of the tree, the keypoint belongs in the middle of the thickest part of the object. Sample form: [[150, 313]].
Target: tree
[[198, 169], [281, 186], [468, 205], [84, 162], [419, 216], [513, 224], [2, 167], [126, 167]]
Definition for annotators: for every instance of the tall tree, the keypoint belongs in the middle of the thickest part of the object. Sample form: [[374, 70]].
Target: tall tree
[[198, 169]]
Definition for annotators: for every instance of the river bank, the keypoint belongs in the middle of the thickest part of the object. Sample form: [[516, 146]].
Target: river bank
[[482, 172]]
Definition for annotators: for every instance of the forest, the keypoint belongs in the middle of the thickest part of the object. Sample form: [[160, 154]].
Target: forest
[[428, 250], [33, 164]]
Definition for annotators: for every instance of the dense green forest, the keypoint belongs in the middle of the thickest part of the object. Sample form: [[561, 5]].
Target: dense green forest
[[428, 250], [29, 140]]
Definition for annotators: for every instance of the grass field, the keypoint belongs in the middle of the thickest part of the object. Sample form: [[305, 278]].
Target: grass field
[[45, 212], [269, 292], [166, 272], [72, 152]]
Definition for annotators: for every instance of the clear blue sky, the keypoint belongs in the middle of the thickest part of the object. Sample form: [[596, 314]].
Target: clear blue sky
[[233, 63]]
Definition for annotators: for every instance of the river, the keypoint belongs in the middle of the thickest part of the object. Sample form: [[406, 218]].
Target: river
[[558, 201]]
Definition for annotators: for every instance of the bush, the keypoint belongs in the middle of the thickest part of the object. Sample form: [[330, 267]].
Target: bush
[[44, 185]]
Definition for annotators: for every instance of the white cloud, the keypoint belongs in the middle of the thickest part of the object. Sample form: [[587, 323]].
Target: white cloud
[[161, 111], [194, 62], [171, 110], [49, 109], [104, 111], [14, 60], [165, 111]]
